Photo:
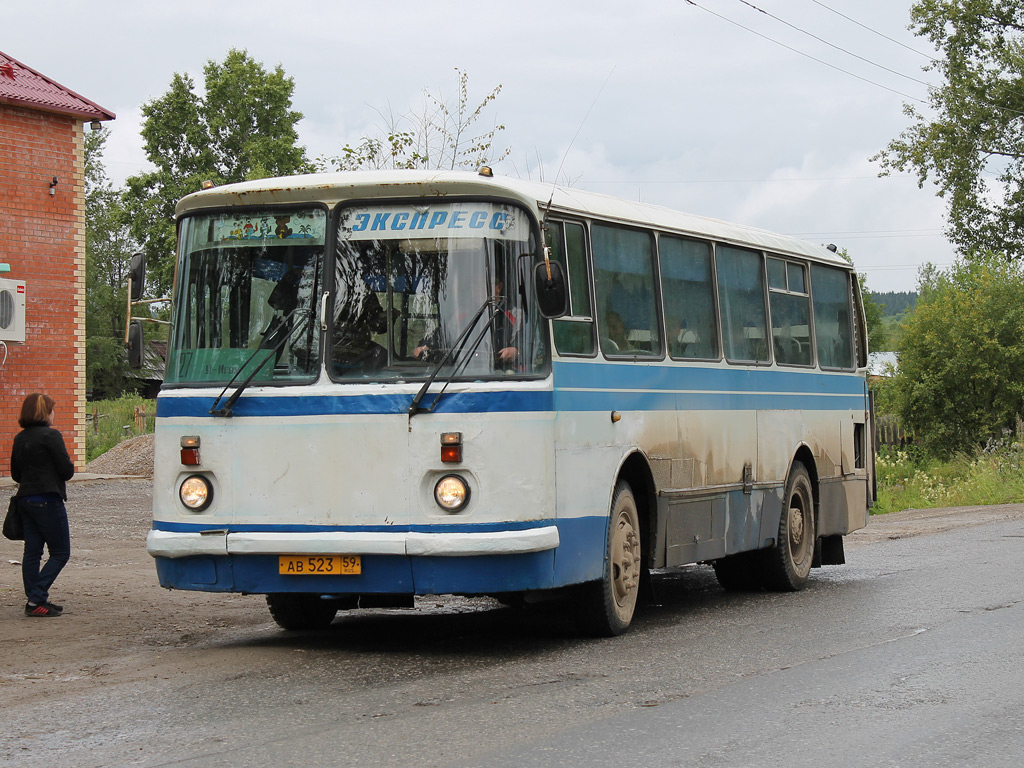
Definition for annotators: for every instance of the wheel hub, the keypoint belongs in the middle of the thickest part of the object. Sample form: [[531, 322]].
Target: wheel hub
[[625, 560], [796, 526]]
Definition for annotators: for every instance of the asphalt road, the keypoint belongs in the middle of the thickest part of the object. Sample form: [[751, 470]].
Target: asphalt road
[[908, 655]]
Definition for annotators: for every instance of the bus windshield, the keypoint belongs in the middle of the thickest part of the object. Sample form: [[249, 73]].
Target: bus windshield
[[246, 296], [409, 280]]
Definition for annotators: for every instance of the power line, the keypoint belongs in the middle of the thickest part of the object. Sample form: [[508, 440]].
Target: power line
[[874, 31], [833, 45], [802, 53]]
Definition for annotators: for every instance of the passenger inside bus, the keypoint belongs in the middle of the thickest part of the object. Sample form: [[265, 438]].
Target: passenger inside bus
[[504, 326], [615, 339]]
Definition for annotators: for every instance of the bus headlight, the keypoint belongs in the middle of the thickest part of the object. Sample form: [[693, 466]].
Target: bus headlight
[[195, 493], [451, 493]]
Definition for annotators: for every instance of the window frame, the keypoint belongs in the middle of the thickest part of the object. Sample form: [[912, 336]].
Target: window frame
[[852, 305], [764, 304], [659, 319], [788, 261], [588, 266], [715, 308]]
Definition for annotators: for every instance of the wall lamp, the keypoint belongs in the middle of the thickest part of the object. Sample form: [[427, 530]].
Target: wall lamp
[[53, 186]]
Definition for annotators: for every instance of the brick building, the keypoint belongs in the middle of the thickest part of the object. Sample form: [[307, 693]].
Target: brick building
[[42, 250]]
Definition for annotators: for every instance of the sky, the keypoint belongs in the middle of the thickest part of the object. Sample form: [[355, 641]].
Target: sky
[[760, 112]]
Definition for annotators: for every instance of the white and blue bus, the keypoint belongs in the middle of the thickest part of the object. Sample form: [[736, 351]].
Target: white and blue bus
[[387, 384]]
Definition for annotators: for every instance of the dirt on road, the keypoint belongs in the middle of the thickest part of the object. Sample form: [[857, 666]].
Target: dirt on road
[[120, 626]]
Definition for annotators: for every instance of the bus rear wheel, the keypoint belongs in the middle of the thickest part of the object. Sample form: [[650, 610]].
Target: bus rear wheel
[[301, 611], [788, 563], [608, 605]]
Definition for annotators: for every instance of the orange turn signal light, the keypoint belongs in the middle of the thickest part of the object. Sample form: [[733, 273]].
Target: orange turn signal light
[[190, 450], [451, 447]]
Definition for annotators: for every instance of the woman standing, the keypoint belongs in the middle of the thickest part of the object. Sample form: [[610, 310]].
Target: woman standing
[[40, 465]]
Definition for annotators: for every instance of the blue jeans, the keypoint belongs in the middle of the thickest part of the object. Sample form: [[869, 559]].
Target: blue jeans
[[46, 522]]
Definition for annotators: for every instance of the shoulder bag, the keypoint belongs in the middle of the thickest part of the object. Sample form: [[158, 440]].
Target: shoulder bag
[[13, 526]]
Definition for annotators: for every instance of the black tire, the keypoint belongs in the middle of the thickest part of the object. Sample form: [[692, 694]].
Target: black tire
[[739, 573], [301, 611], [787, 565], [607, 605]]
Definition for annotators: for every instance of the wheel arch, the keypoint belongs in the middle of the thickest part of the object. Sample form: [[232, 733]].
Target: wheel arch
[[804, 456], [636, 471]]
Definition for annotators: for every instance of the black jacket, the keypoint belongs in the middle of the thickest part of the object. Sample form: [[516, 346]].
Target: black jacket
[[40, 462]]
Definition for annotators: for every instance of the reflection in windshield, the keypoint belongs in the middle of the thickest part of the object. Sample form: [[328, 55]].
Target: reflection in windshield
[[409, 279], [247, 280]]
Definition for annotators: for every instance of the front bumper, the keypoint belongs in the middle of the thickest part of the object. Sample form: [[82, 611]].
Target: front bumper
[[175, 544]]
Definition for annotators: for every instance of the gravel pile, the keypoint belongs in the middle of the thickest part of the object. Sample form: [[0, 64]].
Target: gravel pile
[[129, 457]]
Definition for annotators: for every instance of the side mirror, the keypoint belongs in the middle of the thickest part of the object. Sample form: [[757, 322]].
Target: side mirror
[[137, 275], [135, 344], [552, 293]]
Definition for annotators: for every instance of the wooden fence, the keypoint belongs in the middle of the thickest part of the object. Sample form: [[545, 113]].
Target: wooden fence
[[889, 431]]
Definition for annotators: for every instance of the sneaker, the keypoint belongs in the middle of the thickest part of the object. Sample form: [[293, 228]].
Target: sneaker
[[40, 610], [54, 607]]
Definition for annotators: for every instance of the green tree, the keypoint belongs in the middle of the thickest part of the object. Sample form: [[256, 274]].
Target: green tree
[[241, 127], [442, 133], [970, 143], [961, 355], [874, 318], [108, 248]]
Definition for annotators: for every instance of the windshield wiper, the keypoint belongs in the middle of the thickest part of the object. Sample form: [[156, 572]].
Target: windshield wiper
[[269, 343], [460, 342]]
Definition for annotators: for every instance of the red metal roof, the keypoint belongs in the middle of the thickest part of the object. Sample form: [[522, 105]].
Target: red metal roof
[[22, 86]]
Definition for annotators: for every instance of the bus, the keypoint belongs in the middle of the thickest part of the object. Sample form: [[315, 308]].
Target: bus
[[389, 384]]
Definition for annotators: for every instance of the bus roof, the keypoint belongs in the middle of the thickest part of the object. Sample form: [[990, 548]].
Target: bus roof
[[333, 188]]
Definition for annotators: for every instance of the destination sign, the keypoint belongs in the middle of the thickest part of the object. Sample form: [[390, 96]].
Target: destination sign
[[449, 220]]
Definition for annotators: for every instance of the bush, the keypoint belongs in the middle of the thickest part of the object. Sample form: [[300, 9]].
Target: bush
[[960, 381], [111, 421]]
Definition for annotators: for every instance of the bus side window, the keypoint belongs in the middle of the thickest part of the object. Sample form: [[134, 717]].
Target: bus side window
[[574, 333], [627, 311], [688, 296], [833, 317], [791, 312], [741, 296]]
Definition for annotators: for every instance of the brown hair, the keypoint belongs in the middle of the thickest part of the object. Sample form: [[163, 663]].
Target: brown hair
[[36, 410]]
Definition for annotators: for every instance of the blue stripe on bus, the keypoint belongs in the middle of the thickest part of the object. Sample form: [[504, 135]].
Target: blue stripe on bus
[[582, 386], [329, 405]]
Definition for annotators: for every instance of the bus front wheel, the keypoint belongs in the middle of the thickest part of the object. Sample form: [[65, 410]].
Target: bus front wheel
[[608, 604], [788, 563], [300, 611]]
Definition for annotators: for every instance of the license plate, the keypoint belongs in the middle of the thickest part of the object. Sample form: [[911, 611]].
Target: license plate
[[319, 565]]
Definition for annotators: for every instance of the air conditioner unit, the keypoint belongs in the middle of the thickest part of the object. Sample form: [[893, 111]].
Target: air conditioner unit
[[12, 310]]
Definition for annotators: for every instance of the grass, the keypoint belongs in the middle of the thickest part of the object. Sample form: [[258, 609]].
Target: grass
[[909, 482], [111, 421]]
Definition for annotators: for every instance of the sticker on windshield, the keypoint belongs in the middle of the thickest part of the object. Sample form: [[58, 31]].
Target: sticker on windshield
[[270, 226], [447, 221]]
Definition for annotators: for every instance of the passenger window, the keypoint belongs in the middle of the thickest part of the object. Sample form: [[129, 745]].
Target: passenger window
[[833, 316], [688, 297], [574, 333], [791, 312], [627, 311], [741, 298]]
